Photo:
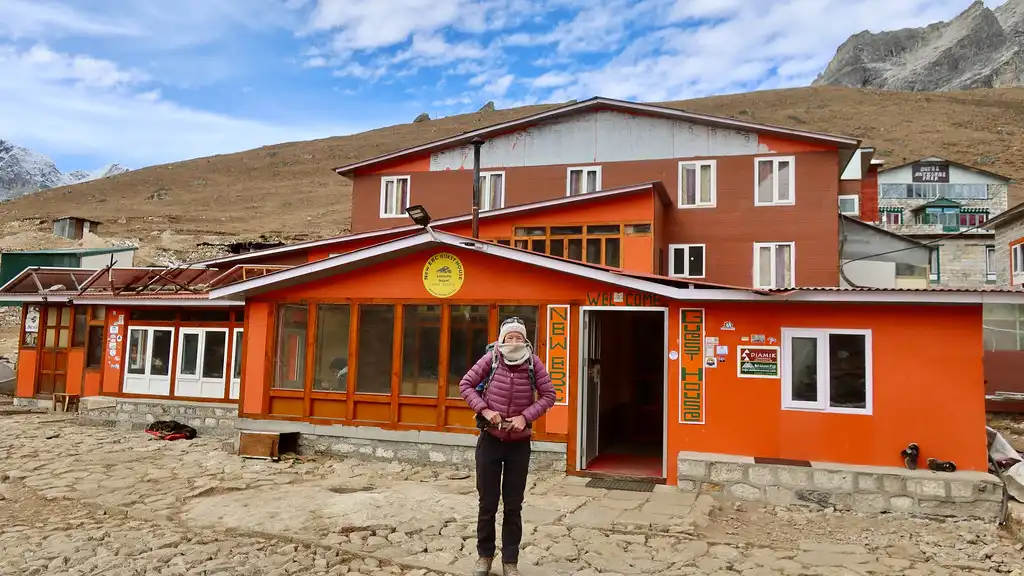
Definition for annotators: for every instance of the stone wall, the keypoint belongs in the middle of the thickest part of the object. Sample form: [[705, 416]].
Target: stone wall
[[1004, 235], [860, 488], [962, 261], [209, 419]]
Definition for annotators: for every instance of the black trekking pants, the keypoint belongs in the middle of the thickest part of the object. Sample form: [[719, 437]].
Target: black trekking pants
[[501, 469]]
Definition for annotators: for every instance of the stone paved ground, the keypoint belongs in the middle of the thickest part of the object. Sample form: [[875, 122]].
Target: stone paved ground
[[86, 501]]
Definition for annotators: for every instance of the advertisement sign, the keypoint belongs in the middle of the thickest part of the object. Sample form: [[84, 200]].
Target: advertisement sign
[[930, 173], [691, 366], [757, 361]]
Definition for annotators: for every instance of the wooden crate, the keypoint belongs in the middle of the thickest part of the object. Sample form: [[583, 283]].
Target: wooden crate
[[267, 445]]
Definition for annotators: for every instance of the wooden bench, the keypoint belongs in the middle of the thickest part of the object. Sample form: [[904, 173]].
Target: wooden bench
[[67, 402]]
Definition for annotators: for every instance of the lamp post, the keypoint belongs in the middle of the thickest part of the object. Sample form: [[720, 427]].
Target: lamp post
[[477, 143]]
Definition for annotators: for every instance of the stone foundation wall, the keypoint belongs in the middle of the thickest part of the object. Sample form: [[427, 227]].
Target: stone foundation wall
[[860, 488], [209, 419]]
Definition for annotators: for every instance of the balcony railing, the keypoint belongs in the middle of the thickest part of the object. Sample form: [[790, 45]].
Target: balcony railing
[[932, 191]]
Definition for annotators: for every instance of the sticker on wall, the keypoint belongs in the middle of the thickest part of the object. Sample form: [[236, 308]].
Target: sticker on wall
[[618, 297], [772, 340], [709, 350], [757, 361], [728, 326], [443, 275], [757, 339], [32, 319], [721, 350], [710, 340], [691, 366], [558, 351], [673, 355], [711, 362], [745, 338], [721, 359]]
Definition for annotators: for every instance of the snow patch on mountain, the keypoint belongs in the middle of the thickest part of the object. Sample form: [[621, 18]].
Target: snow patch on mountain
[[23, 171]]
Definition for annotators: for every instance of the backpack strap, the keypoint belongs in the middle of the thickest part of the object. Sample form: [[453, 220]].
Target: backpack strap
[[482, 386]]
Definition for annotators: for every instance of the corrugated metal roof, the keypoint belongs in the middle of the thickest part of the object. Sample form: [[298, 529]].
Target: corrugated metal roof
[[986, 289]]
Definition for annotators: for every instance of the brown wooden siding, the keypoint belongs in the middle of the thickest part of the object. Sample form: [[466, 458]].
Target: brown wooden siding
[[729, 230]]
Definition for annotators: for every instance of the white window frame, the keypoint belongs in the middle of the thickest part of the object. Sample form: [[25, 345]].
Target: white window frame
[[148, 383], [236, 383], [485, 190], [203, 386], [1017, 263], [856, 204], [990, 263], [686, 273], [714, 183], [935, 272], [824, 371], [757, 263], [383, 195], [583, 181], [775, 180]]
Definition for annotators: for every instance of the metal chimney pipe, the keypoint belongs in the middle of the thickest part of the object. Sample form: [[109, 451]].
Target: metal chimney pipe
[[477, 143]]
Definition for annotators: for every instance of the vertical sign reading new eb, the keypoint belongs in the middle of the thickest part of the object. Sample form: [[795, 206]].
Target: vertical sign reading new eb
[[558, 351], [691, 366]]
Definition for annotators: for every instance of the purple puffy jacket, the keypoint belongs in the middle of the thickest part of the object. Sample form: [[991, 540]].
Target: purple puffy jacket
[[509, 392]]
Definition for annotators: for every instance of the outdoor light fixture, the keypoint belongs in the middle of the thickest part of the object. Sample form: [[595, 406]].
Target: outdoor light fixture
[[419, 215]]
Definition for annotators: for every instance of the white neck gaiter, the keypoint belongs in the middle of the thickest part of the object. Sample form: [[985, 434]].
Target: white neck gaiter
[[515, 354]]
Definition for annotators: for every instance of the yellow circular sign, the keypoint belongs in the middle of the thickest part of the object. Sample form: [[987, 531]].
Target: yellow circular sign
[[443, 275]]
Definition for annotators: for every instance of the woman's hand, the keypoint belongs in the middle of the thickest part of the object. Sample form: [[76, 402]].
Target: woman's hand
[[518, 423], [490, 415]]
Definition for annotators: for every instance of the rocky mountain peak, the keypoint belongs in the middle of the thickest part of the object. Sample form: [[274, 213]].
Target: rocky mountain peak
[[979, 48], [23, 171]]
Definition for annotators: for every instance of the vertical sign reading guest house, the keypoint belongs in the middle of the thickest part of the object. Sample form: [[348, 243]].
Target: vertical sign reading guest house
[[691, 366], [558, 351]]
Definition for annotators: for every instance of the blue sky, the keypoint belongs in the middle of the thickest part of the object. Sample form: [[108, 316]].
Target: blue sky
[[143, 82]]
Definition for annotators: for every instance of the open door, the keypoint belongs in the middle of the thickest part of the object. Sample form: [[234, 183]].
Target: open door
[[591, 385]]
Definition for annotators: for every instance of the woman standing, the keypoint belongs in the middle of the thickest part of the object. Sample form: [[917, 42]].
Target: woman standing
[[500, 389]]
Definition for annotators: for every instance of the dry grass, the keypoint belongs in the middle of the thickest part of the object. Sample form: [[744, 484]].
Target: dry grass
[[289, 191]]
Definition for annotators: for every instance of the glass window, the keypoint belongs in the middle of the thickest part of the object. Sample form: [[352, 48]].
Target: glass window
[[98, 312], [687, 260], [290, 357], [804, 359], [847, 371], [154, 314], [94, 347], [31, 327], [492, 190], [236, 354], [189, 353], [528, 314], [604, 229], [583, 180], [826, 370], [575, 249], [138, 339], [215, 349], [773, 265], [160, 362], [696, 184], [394, 192], [566, 230], [81, 321], [558, 247], [990, 263], [933, 263], [376, 335], [638, 229], [774, 181], [612, 250], [594, 250], [202, 315], [1003, 327], [421, 350], [467, 342], [332, 329]]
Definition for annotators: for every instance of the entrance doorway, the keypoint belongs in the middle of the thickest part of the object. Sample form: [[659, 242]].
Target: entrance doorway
[[623, 390], [53, 358]]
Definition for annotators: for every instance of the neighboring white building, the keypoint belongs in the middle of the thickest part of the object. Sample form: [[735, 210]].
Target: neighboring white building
[[946, 205]]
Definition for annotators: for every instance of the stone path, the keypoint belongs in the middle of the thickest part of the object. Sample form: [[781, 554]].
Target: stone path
[[82, 500]]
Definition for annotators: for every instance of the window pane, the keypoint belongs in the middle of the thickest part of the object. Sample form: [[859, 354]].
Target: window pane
[[566, 230], [332, 326], [689, 184], [611, 252], [205, 315], [528, 314], [805, 369], [847, 371], [214, 352], [785, 178], [575, 249], [539, 246], [575, 182], [594, 250], [160, 363], [495, 192], [532, 231], [376, 336], [81, 321], [1001, 335], [783, 266], [51, 338], [679, 261], [764, 266], [154, 314], [696, 261], [189, 354], [52, 315], [98, 312], [236, 355], [65, 316], [638, 228], [137, 341], [291, 347], [523, 244], [705, 183], [468, 342], [592, 181], [64, 336], [94, 349], [765, 184], [558, 248], [604, 229], [421, 351]]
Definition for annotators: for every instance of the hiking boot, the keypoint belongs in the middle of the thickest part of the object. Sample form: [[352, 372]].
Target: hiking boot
[[482, 566], [510, 570]]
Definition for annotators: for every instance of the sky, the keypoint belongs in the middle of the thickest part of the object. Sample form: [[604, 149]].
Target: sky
[[144, 82]]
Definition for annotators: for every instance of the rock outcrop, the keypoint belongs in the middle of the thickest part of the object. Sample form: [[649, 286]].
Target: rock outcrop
[[980, 48]]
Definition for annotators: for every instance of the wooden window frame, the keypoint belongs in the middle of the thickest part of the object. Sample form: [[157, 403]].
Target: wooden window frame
[[583, 237], [93, 322], [383, 195], [775, 160], [697, 164], [585, 169], [673, 273]]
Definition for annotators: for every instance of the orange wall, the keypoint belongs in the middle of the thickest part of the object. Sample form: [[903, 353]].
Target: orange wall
[[928, 388], [28, 363], [76, 369], [93, 381], [257, 357]]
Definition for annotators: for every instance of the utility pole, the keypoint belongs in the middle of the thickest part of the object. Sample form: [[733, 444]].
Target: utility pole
[[477, 143]]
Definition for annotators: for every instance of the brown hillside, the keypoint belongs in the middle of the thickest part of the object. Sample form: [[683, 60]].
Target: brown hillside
[[288, 190]]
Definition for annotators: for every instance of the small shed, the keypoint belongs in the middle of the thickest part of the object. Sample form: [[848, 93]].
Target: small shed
[[13, 263], [74, 228]]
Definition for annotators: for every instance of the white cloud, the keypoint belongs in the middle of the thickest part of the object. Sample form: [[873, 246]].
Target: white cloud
[[499, 86], [79, 105], [551, 80]]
